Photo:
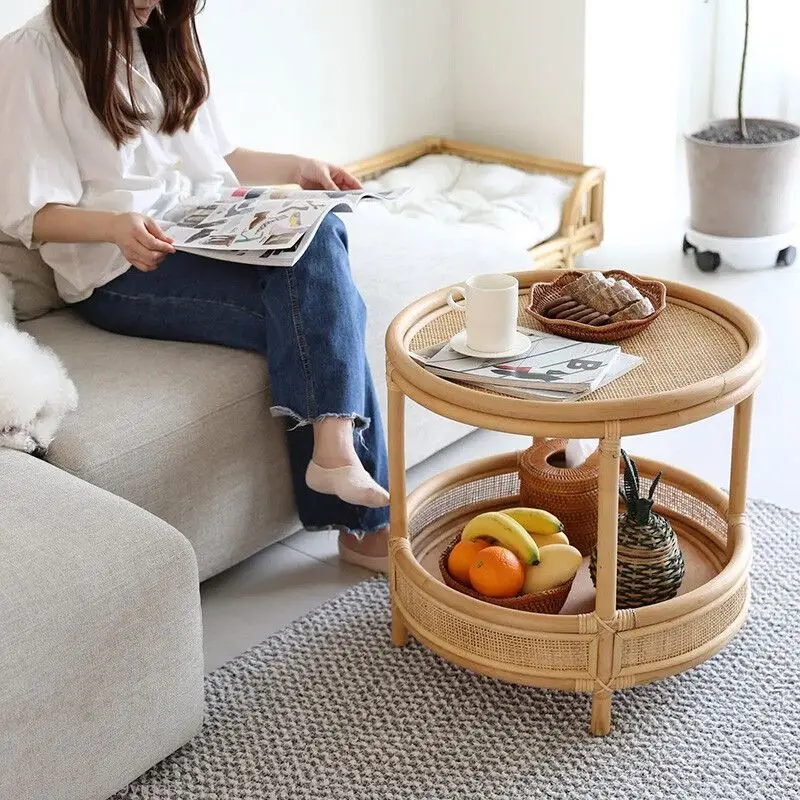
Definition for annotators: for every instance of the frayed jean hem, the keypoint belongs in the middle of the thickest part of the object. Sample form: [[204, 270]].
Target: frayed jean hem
[[360, 423]]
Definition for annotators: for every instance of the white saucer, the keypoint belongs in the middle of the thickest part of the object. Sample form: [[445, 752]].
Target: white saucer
[[522, 344]]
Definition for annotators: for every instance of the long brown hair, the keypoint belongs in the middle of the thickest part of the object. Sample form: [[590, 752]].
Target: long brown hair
[[96, 31]]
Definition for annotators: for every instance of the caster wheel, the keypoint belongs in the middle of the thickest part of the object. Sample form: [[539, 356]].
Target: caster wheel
[[688, 246], [707, 261], [786, 257]]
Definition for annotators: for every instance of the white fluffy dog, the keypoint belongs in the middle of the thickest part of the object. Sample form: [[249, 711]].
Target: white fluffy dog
[[35, 390]]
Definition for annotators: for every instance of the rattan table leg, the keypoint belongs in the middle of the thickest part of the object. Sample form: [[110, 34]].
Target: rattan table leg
[[398, 512], [606, 602], [740, 458]]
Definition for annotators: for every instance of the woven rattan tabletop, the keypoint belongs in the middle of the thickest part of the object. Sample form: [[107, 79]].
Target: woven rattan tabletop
[[700, 350]]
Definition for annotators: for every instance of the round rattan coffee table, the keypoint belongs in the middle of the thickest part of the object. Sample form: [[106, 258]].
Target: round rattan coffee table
[[703, 356]]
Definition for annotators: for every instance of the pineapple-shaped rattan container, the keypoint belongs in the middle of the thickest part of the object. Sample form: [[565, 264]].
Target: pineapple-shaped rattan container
[[650, 565], [569, 493]]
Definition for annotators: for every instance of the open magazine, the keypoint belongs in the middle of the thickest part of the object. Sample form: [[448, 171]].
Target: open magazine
[[260, 225]]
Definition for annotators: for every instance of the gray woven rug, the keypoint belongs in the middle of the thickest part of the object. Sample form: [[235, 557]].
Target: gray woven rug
[[328, 709]]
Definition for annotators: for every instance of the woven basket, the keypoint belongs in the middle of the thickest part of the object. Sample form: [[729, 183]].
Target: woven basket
[[548, 602], [543, 293], [570, 494], [650, 565]]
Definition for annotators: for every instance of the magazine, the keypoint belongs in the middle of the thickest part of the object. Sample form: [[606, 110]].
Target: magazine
[[552, 363], [622, 365], [261, 225]]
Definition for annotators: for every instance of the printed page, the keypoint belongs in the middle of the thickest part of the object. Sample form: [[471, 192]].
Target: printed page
[[260, 225], [248, 225]]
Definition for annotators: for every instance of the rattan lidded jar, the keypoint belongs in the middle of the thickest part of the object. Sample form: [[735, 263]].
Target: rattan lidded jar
[[568, 492]]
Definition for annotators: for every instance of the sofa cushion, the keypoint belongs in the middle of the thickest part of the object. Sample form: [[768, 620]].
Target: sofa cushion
[[34, 284], [101, 657], [182, 430]]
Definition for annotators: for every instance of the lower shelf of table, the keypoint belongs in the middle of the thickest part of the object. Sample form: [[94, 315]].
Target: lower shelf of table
[[560, 651]]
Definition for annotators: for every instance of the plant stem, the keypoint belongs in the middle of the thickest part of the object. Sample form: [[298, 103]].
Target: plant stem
[[742, 122]]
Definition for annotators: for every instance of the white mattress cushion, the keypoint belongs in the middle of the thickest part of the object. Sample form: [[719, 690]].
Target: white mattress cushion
[[525, 207]]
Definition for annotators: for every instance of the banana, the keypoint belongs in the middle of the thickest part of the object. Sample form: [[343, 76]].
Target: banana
[[545, 539], [559, 563], [502, 528], [536, 520]]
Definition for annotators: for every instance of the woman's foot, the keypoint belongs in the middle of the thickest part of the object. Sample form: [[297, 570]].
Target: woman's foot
[[336, 469], [351, 483], [370, 552]]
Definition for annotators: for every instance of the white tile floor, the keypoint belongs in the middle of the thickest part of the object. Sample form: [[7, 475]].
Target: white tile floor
[[246, 604]]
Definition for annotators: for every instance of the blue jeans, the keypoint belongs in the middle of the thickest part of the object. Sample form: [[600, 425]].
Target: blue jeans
[[307, 320]]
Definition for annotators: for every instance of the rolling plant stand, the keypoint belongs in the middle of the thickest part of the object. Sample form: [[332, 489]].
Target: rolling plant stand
[[703, 356]]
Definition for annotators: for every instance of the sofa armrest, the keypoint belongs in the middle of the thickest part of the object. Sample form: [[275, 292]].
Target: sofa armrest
[[101, 662]]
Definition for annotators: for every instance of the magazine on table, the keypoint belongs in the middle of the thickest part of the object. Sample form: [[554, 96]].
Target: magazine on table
[[552, 363], [261, 225], [623, 364], [522, 377]]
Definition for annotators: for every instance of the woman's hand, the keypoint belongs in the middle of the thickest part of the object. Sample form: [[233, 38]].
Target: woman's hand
[[313, 174], [141, 241]]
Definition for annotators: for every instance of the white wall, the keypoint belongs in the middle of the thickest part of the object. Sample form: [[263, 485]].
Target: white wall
[[519, 74], [339, 80], [14, 13], [631, 111]]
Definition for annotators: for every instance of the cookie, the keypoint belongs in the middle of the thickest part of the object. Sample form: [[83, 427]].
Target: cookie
[[580, 311], [564, 303], [585, 316], [614, 296], [567, 311], [553, 304], [639, 310], [601, 319], [586, 287]]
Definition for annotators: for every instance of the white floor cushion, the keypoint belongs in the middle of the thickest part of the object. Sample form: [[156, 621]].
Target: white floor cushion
[[525, 207]]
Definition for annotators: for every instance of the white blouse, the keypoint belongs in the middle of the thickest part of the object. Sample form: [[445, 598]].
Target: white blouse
[[54, 150]]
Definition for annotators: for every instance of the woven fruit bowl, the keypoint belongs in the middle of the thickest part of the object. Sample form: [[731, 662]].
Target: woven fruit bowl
[[547, 602], [544, 293]]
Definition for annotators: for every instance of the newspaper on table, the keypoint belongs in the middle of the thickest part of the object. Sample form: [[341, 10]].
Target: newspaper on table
[[554, 369], [261, 225]]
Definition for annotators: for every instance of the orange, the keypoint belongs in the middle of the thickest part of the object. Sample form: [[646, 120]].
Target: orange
[[462, 557], [497, 573]]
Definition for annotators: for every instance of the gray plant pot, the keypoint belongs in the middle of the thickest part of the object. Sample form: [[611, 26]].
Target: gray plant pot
[[743, 190]]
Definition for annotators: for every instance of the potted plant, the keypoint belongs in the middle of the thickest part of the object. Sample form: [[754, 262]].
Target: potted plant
[[744, 177]]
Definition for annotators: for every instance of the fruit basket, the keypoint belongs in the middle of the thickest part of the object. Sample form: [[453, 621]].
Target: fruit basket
[[544, 293], [550, 601]]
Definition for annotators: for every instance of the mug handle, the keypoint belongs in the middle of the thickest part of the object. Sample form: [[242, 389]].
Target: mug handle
[[452, 302]]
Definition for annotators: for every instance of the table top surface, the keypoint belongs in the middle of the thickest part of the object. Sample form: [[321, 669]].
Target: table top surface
[[701, 354]]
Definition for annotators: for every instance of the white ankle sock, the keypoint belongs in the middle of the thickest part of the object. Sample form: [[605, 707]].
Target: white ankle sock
[[352, 484]]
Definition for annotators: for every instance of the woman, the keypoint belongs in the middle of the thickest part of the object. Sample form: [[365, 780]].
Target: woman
[[108, 123]]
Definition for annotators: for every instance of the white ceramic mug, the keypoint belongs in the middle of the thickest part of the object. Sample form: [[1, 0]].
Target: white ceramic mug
[[492, 306]]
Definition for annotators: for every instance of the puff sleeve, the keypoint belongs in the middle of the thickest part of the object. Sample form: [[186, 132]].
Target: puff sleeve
[[37, 163]]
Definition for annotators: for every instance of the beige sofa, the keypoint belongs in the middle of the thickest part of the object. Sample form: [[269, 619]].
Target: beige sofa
[[171, 469]]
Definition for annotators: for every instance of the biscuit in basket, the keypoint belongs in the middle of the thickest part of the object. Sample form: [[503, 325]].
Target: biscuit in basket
[[614, 296], [639, 310], [585, 288]]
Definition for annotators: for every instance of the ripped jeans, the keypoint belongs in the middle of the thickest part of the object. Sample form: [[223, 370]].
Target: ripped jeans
[[307, 320]]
